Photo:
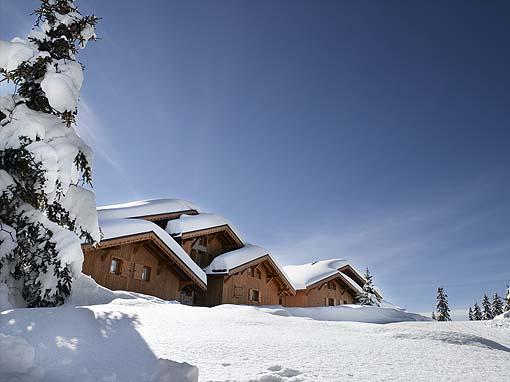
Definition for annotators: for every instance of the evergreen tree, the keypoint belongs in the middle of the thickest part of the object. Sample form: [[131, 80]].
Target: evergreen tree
[[45, 208], [506, 308], [443, 311], [486, 308], [368, 295], [434, 316], [477, 313], [497, 305], [470, 314]]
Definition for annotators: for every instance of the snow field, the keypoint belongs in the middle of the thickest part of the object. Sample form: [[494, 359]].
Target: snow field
[[127, 339]]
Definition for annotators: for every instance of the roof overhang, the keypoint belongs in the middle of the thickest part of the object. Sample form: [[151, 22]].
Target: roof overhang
[[212, 230], [334, 276]]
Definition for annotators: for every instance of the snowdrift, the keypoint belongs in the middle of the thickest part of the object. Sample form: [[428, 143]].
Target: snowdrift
[[355, 313], [140, 338]]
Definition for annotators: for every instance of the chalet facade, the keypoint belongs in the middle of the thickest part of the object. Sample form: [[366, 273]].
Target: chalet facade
[[138, 256], [168, 248], [247, 276], [323, 283]]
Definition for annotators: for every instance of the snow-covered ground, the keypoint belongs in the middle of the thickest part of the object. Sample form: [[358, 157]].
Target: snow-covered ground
[[124, 339]]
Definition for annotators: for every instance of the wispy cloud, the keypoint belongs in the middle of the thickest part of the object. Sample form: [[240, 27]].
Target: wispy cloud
[[388, 237], [92, 131]]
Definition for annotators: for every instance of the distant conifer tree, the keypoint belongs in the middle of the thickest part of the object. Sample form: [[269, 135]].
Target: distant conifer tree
[[486, 308], [368, 295], [433, 316], [497, 305], [477, 313], [443, 311], [470, 314]]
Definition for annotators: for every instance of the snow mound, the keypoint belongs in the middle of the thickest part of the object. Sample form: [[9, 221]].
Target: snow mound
[[502, 321], [82, 344], [171, 371], [145, 208], [503, 316], [87, 292], [190, 223], [277, 373], [354, 313]]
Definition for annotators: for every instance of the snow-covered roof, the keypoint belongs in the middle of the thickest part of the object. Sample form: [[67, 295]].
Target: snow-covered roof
[[190, 223], [233, 259], [228, 261], [116, 228], [145, 208], [304, 275]]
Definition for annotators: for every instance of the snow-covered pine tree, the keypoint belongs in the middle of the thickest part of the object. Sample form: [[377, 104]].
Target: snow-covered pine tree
[[368, 295], [497, 305], [486, 308], [477, 313], [470, 314], [45, 211], [506, 308], [443, 311]]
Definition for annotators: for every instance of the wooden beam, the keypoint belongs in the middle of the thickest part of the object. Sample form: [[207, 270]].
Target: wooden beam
[[269, 280], [183, 284]]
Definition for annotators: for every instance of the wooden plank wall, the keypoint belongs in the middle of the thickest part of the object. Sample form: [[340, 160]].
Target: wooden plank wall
[[318, 296], [237, 287], [164, 281]]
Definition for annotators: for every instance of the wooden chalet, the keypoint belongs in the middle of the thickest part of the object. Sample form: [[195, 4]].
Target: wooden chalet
[[248, 276], [162, 247], [323, 283], [138, 255]]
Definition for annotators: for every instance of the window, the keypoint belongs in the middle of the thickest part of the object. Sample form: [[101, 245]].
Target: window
[[146, 274], [254, 295], [116, 266], [331, 301]]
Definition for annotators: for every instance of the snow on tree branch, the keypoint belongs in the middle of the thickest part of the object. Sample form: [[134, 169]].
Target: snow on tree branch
[[45, 211]]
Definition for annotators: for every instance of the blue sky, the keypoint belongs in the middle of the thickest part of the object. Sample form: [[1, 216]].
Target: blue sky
[[373, 131]]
